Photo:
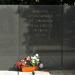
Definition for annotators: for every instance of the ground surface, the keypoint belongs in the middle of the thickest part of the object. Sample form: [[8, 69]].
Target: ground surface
[[52, 72], [63, 72]]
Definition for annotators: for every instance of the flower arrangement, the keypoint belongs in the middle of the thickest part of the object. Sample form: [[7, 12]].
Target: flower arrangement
[[30, 61]]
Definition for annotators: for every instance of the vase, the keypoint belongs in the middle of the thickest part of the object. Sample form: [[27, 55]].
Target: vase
[[30, 69]]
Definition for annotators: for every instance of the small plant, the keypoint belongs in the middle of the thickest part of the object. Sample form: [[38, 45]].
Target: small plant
[[35, 61], [30, 61]]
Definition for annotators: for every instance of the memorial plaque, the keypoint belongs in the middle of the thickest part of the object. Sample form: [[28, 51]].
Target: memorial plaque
[[44, 25], [44, 30]]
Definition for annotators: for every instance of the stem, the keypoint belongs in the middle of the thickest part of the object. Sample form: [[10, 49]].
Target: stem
[[33, 73]]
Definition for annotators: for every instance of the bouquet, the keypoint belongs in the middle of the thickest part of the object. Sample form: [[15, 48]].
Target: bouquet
[[30, 61]]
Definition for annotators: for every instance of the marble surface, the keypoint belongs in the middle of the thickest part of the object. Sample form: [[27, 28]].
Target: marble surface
[[51, 72], [23, 73]]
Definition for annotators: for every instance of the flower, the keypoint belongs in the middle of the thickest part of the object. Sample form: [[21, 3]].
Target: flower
[[37, 60], [31, 61], [22, 60], [25, 62], [41, 65], [28, 58], [37, 55]]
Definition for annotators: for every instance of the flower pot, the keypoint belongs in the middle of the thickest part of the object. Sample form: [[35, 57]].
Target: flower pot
[[29, 69]]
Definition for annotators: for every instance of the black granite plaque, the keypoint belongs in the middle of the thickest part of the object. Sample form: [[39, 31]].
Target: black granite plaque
[[44, 24]]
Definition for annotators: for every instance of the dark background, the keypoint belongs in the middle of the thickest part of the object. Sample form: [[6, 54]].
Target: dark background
[[41, 2], [56, 44]]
